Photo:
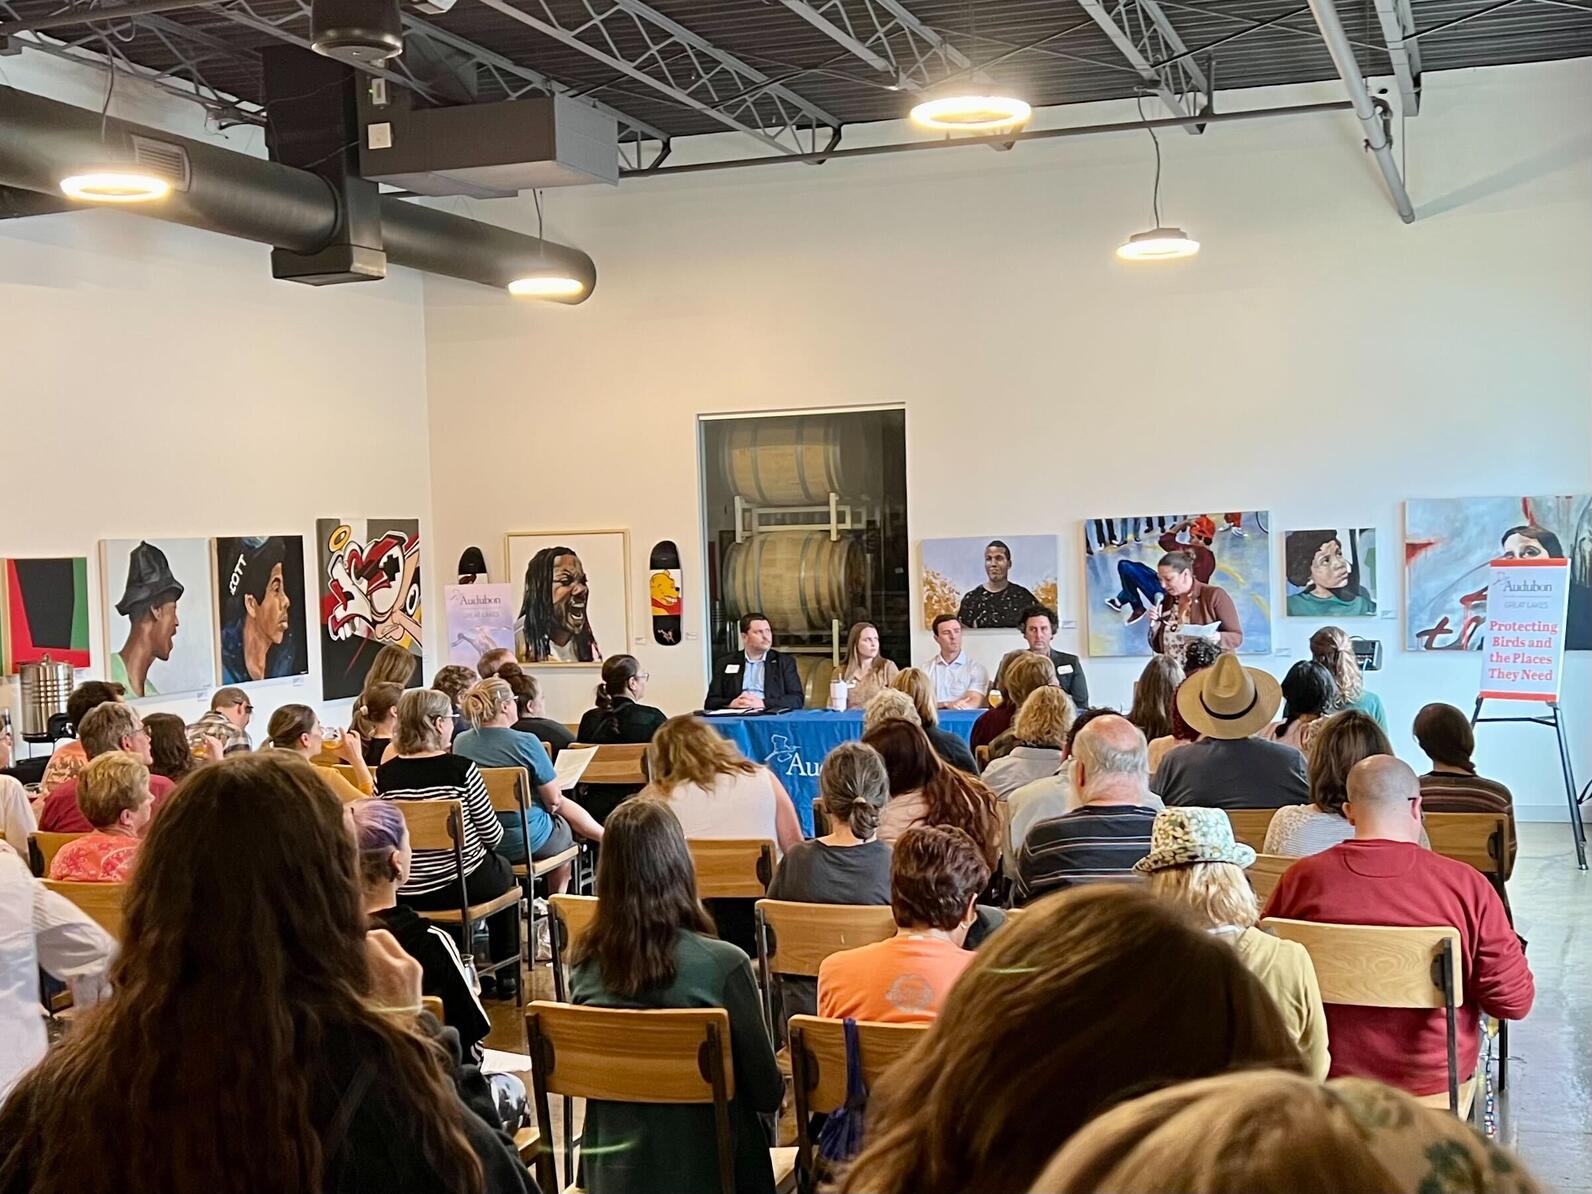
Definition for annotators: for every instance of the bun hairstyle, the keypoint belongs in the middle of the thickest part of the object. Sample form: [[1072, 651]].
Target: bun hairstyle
[[854, 785], [618, 672], [375, 706], [290, 723], [522, 684], [481, 702]]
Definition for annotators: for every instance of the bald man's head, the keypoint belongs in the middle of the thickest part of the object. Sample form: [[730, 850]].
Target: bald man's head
[[1111, 751], [1384, 799]]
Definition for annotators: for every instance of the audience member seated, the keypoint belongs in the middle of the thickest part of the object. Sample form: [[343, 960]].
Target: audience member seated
[[384, 858], [1194, 861], [69, 758], [936, 874], [1382, 876], [1332, 647], [376, 720], [1109, 831], [113, 794], [651, 945], [1308, 695], [954, 750], [169, 752], [1198, 655], [271, 1019], [107, 727], [959, 682], [1039, 736], [619, 717], [453, 681], [17, 820], [227, 722], [491, 664], [1024, 673], [1162, 1001], [1229, 768], [552, 818], [1255, 1131], [756, 677], [1344, 739], [864, 671], [715, 791], [531, 712], [393, 665], [1452, 785], [924, 791], [296, 728], [424, 769], [847, 865], [1154, 693], [1037, 624], [1044, 798]]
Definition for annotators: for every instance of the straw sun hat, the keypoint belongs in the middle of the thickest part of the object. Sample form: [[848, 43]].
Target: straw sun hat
[[1229, 700]]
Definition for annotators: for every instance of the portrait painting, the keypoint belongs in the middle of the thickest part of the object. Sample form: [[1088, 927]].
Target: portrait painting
[[1449, 544], [988, 582], [1122, 585], [157, 602], [44, 612], [572, 593], [1331, 573], [368, 584], [260, 607]]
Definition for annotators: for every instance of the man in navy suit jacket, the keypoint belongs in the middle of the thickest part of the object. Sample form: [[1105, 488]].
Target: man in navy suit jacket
[[756, 676]]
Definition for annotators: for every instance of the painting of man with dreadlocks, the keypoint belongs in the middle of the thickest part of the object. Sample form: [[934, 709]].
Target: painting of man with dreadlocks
[[574, 587]]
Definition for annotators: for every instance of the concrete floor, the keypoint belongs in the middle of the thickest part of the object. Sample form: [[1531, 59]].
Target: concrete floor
[[1546, 1114]]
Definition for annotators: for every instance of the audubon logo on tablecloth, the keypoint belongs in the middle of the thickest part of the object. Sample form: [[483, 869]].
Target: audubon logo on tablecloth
[[786, 758]]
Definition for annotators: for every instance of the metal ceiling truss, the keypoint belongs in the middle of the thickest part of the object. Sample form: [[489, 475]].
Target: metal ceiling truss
[[1398, 30], [1145, 37], [887, 37], [685, 68]]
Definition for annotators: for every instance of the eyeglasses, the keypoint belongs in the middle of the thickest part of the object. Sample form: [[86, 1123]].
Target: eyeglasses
[[246, 707], [643, 675]]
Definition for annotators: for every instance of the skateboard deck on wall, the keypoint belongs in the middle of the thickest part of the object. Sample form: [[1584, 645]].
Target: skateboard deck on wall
[[663, 583]]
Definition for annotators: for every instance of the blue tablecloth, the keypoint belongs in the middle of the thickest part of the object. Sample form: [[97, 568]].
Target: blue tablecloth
[[793, 745]]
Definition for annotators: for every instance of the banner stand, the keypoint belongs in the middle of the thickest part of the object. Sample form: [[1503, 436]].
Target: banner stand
[[1577, 829]]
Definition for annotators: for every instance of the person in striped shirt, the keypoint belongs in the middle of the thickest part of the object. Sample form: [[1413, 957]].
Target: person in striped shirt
[[1452, 785], [1110, 830]]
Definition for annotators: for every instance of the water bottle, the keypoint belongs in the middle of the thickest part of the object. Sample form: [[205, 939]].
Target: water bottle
[[838, 689]]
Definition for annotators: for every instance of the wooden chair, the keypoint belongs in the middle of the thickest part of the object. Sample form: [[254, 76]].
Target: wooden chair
[[571, 916], [1264, 873], [43, 847], [1393, 967], [732, 868], [820, 818], [1250, 825], [626, 1056], [509, 790], [795, 939], [616, 763], [433, 1004], [981, 757], [818, 1070], [439, 825], [101, 902]]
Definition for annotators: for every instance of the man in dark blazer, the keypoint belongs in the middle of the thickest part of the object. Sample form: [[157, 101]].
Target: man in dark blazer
[[756, 676], [1038, 624]]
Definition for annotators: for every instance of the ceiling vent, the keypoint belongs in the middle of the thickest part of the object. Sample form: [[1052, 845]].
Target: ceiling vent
[[163, 158]]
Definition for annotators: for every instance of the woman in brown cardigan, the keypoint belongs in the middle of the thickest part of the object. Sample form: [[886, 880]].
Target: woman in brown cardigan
[[1188, 602]]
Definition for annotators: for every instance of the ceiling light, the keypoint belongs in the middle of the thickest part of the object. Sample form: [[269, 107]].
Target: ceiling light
[[974, 111], [547, 283], [115, 184], [1158, 244], [361, 33]]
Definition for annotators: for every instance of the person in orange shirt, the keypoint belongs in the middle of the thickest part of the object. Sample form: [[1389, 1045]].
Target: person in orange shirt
[[935, 877], [113, 794]]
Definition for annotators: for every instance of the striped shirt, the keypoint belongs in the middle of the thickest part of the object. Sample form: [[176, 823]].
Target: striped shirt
[[442, 777], [1446, 792], [1089, 844]]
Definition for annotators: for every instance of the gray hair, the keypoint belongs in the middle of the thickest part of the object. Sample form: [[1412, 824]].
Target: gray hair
[[418, 712], [104, 727], [1105, 747], [854, 785], [889, 705]]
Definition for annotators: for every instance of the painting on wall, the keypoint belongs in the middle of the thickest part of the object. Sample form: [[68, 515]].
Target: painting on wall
[[1449, 543], [369, 589], [987, 583], [1331, 573], [572, 594], [157, 615], [44, 611], [1230, 549], [260, 607]]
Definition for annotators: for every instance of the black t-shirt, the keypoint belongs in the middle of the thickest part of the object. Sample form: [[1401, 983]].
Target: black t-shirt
[[981, 609], [441, 972], [555, 733]]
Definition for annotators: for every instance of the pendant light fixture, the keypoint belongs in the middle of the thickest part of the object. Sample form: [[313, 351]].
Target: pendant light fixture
[[544, 279], [972, 101], [1162, 242], [111, 180]]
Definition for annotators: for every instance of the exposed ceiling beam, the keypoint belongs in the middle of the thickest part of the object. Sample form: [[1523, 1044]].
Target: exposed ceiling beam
[[1398, 30], [886, 36], [84, 15], [1144, 36]]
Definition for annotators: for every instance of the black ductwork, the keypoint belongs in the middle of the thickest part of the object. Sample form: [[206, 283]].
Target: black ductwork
[[43, 140]]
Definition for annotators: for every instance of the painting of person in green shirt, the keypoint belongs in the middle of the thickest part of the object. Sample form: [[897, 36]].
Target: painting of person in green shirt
[[1331, 574]]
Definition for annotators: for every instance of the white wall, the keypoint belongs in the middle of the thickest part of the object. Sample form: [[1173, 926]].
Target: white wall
[[1318, 359], [157, 381]]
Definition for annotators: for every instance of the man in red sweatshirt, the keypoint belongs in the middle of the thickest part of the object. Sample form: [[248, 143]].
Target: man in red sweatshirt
[[1383, 876]]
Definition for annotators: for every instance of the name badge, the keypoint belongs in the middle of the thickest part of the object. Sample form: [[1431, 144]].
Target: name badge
[[1064, 670], [731, 668]]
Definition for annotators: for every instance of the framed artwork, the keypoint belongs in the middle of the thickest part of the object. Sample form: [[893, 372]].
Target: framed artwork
[[571, 593], [158, 608], [44, 611], [1331, 573], [1230, 549], [1449, 544], [260, 607], [478, 618], [987, 583], [368, 585]]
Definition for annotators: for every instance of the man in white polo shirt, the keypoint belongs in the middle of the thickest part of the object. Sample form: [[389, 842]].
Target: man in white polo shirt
[[959, 682]]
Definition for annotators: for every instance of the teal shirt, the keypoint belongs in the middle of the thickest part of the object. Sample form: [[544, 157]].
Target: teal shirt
[[1371, 705], [1308, 605], [501, 746], [645, 1148]]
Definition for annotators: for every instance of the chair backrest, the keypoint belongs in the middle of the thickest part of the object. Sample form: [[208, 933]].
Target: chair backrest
[[433, 1004], [572, 916], [798, 937], [1250, 824], [1481, 840], [732, 868], [507, 788], [981, 756], [616, 763], [1265, 871], [820, 818], [345, 770], [1377, 965], [101, 902], [43, 847]]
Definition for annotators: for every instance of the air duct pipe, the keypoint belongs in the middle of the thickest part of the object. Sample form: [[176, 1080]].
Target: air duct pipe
[[43, 140]]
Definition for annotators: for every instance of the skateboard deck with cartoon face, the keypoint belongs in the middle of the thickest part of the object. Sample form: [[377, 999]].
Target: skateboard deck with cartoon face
[[663, 584]]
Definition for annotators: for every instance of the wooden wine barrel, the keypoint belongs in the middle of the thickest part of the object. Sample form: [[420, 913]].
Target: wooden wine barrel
[[791, 462], [814, 671], [799, 579]]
